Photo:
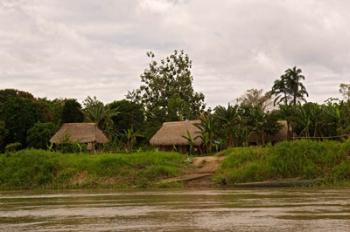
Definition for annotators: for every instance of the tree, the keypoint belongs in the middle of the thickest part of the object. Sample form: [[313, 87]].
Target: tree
[[50, 110], [72, 111], [102, 115], [289, 88], [344, 118], [131, 115], [256, 98], [261, 124], [94, 110], [280, 90], [39, 135], [20, 115], [345, 91], [7, 94], [296, 87], [167, 92], [3, 134], [312, 119], [227, 120]]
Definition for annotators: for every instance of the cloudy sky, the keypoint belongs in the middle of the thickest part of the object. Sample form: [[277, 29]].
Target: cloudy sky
[[76, 48]]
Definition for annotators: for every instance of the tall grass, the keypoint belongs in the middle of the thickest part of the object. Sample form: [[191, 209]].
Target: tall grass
[[44, 169], [303, 158]]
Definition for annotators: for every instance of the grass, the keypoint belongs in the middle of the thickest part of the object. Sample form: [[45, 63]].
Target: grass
[[28, 169], [303, 159]]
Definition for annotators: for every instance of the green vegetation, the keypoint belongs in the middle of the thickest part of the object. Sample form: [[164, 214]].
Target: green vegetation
[[166, 93], [297, 159], [40, 134], [72, 111], [28, 169]]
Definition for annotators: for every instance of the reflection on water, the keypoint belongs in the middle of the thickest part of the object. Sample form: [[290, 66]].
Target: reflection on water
[[182, 210]]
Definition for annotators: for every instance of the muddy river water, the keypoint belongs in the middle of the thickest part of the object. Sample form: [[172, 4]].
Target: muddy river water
[[177, 210]]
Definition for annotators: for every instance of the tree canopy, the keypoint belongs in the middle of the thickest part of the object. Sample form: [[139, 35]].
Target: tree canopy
[[167, 92], [289, 89], [72, 111], [131, 115]]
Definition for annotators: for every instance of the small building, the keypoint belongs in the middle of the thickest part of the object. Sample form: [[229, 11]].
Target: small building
[[282, 135], [172, 136], [83, 133]]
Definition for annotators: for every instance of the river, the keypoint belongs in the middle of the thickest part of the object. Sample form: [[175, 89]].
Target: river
[[177, 210]]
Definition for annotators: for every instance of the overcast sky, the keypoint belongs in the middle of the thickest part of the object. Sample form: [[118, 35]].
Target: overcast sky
[[76, 48]]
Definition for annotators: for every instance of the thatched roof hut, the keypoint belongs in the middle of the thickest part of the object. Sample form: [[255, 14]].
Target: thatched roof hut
[[281, 135], [79, 133], [173, 133]]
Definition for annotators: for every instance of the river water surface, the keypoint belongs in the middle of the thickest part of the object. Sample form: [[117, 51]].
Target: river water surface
[[179, 210]]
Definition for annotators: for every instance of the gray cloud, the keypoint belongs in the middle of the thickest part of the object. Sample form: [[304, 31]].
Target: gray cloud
[[79, 48]]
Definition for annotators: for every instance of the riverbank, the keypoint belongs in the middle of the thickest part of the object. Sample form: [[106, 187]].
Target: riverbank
[[328, 161], [32, 169], [303, 160]]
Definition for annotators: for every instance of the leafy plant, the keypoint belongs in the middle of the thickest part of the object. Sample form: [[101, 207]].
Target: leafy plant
[[13, 147], [190, 141]]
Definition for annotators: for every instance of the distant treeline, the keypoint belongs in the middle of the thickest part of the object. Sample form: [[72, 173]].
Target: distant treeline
[[166, 94]]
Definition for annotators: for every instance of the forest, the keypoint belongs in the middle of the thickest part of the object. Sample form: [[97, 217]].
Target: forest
[[166, 93]]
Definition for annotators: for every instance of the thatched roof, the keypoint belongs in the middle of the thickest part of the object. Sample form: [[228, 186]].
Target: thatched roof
[[171, 133], [281, 135], [79, 132]]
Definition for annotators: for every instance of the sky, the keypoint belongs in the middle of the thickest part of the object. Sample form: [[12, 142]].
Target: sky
[[80, 48]]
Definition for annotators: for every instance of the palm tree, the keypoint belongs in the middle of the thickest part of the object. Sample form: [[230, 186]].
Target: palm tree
[[97, 112], [228, 119], [256, 98], [289, 88], [279, 89], [295, 86]]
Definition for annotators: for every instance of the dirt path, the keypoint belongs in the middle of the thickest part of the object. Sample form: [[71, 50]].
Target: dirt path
[[207, 164], [200, 172]]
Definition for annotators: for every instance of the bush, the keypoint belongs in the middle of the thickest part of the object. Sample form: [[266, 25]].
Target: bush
[[27, 169], [303, 158], [12, 147], [39, 135], [342, 171], [72, 148], [3, 133]]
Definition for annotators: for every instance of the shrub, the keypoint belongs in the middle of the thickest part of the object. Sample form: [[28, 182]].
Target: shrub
[[342, 171], [27, 169], [39, 135], [12, 147], [72, 148], [303, 158]]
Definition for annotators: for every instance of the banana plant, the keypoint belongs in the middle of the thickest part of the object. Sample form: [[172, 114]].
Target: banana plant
[[190, 141], [207, 130], [131, 138]]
